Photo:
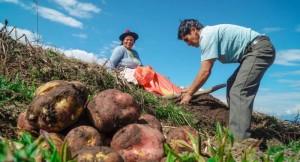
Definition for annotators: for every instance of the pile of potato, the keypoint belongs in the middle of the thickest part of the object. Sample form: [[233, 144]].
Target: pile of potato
[[108, 128]]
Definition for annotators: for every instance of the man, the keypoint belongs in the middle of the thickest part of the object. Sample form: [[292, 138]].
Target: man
[[230, 44]]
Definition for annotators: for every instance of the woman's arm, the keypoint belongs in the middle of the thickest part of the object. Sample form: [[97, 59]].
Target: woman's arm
[[116, 57]]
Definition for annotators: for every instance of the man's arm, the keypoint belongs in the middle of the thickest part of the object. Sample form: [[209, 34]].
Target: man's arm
[[200, 79]]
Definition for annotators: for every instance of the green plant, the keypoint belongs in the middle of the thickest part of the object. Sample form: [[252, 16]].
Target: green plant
[[279, 153], [189, 156], [28, 149], [221, 152], [15, 90], [174, 114]]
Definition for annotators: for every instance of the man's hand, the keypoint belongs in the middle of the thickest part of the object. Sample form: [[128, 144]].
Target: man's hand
[[185, 98]]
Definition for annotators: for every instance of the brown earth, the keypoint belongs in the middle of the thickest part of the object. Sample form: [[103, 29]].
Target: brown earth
[[208, 110]]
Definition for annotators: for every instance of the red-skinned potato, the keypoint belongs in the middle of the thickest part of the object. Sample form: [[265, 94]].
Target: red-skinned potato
[[112, 109], [137, 142], [57, 105], [150, 120], [83, 136]]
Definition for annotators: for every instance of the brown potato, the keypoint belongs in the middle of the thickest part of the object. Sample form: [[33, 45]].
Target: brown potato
[[137, 142], [112, 109], [42, 90], [57, 105], [24, 125], [99, 154], [151, 120], [180, 133], [83, 136]]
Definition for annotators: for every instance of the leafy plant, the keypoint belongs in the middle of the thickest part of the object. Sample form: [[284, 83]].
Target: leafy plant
[[28, 149], [194, 147], [15, 90]]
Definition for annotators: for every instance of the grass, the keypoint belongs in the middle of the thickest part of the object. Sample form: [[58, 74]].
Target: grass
[[15, 90], [174, 114], [28, 149], [162, 109], [222, 150]]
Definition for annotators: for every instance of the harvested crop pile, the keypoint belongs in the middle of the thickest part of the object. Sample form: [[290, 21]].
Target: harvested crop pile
[[57, 105], [112, 109], [83, 136], [98, 153], [137, 142]]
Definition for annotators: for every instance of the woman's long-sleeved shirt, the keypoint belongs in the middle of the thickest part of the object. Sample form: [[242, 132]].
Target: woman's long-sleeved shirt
[[122, 57]]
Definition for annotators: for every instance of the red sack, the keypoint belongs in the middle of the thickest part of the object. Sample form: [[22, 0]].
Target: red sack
[[154, 82]]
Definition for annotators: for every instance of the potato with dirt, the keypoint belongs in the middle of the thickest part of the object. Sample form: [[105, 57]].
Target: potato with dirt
[[138, 142], [83, 136], [112, 109], [24, 125], [181, 133], [99, 154], [150, 120], [57, 105]]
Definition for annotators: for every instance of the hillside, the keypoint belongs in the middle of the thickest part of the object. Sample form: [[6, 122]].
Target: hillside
[[30, 66]]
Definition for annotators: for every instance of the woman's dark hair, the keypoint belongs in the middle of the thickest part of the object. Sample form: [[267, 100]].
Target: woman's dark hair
[[186, 25]]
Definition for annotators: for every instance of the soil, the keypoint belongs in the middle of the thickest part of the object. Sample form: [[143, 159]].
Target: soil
[[208, 110]]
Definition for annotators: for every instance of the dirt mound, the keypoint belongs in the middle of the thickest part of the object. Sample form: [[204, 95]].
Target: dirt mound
[[208, 110]]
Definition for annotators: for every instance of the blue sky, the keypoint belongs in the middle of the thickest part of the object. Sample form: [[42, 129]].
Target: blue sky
[[90, 29]]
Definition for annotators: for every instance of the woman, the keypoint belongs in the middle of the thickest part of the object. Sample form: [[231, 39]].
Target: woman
[[127, 60], [124, 56]]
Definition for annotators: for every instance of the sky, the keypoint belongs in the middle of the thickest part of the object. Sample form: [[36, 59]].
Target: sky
[[89, 30]]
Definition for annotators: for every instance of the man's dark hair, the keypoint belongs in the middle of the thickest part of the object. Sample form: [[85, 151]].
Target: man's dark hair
[[186, 25]]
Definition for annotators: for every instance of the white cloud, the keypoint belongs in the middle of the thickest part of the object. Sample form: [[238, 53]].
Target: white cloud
[[17, 2], [72, 53], [107, 49], [284, 74], [273, 103], [80, 35], [277, 103], [78, 9], [290, 83], [84, 56], [290, 57], [18, 32], [271, 29], [81, 55], [48, 13], [59, 17]]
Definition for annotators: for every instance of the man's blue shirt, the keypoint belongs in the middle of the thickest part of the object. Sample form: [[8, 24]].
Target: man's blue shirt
[[225, 42]]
